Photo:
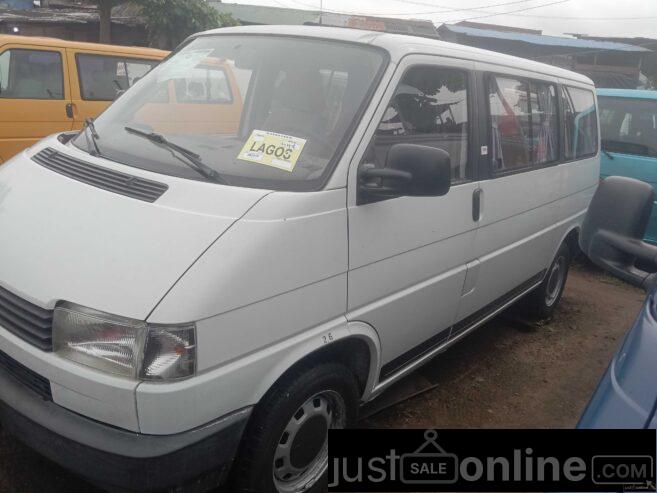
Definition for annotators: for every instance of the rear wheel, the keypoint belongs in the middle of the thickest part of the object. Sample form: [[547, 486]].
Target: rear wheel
[[545, 298], [285, 447]]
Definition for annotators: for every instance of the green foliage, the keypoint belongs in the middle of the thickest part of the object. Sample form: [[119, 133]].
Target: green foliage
[[170, 21]]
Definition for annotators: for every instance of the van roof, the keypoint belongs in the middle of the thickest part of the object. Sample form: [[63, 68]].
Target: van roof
[[61, 43], [628, 93], [399, 45]]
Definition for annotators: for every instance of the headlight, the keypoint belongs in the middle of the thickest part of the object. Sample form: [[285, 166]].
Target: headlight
[[123, 346]]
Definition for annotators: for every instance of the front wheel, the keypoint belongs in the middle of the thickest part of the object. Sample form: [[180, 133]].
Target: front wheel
[[545, 298], [285, 447]]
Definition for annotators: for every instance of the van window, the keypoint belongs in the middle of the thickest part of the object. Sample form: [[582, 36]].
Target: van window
[[524, 123], [4, 70], [511, 127], [31, 74], [545, 123], [629, 126], [581, 123], [204, 85], [102, 77], [429, 107]]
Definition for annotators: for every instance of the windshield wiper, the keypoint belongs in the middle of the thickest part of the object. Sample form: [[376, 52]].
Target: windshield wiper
[[608, 154], [90, 127], [193, 160]]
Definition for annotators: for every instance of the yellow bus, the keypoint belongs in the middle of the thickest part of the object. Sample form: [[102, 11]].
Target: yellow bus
[[50, 85]]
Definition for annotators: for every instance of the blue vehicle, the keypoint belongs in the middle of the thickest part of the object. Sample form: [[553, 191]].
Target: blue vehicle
[[628, 125], [612, 237]]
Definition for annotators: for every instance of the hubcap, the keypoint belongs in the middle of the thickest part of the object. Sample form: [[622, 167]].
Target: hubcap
[[556, 278], [301, 456]]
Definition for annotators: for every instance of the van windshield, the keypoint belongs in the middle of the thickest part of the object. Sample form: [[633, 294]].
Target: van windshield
[[629, 126], [257, 111]]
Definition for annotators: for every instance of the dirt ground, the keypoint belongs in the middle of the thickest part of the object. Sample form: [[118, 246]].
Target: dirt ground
[[509, 373]]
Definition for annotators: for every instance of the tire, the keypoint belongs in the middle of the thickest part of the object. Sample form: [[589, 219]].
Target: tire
[[296, 407], [545, 298]]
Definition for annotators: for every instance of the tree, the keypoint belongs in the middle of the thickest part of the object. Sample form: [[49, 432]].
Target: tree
[[170, 21], [105, 12]]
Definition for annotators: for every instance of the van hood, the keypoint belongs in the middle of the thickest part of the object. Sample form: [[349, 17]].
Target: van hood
[[62, 239]]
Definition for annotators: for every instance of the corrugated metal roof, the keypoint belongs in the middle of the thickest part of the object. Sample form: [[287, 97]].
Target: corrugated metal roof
[[537, 39], [63, 16]]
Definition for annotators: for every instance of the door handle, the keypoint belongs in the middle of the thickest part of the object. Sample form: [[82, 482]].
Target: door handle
[[69, 110], [476, 204]]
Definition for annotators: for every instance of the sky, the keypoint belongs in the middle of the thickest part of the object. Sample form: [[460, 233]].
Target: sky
[[621, 18]]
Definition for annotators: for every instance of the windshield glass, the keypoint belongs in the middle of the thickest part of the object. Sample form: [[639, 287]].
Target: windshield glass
[[268, 112], [629, 126]]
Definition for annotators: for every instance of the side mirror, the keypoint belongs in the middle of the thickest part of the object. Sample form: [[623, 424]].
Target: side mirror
[[614, 227], [411, 170]]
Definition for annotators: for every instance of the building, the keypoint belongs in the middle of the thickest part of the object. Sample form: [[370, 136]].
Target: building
[[73, 21], [609, 63], [648, 62], [260, 14]]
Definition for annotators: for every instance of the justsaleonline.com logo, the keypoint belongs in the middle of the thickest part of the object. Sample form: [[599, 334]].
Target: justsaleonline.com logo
[[491, 460]]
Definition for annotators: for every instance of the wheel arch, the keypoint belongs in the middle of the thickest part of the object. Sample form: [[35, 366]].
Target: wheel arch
[[357, 347], [571, 238]]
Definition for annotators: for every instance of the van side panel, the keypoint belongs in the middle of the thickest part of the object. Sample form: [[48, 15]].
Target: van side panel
[[525, 216], [517, 233]]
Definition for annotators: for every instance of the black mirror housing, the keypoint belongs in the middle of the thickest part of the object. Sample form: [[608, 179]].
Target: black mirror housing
[[614, 227], [411, 170]]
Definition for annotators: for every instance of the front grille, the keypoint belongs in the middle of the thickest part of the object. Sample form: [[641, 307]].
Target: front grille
[[26, 320], [97, 176], [27, 377]]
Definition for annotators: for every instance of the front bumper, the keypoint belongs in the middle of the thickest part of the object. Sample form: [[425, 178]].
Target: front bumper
[[116, 457]]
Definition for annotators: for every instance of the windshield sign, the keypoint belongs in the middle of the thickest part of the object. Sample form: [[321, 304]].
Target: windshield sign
[[268, 112], [629, 126]]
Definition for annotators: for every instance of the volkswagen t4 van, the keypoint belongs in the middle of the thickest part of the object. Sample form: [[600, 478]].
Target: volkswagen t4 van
[[182, 301]]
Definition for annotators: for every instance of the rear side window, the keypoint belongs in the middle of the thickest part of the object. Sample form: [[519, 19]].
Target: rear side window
[[31, 74], [4, 70], [545, 123], [102, 77], [524, 123], [430, 108], [580, 122], [629, 126]]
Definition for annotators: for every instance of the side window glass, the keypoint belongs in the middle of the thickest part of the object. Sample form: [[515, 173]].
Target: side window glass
[[204, 85], [31, 74], [136, 70], [511, 129], [524, 123], [581, 123], [5, 60], [101, 77], [545, 123], [429, 108]]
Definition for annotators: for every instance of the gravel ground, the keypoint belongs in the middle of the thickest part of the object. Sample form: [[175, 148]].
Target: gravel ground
[[509, 373]]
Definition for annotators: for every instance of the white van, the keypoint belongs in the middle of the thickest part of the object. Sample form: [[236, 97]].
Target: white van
[[181, 301]]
